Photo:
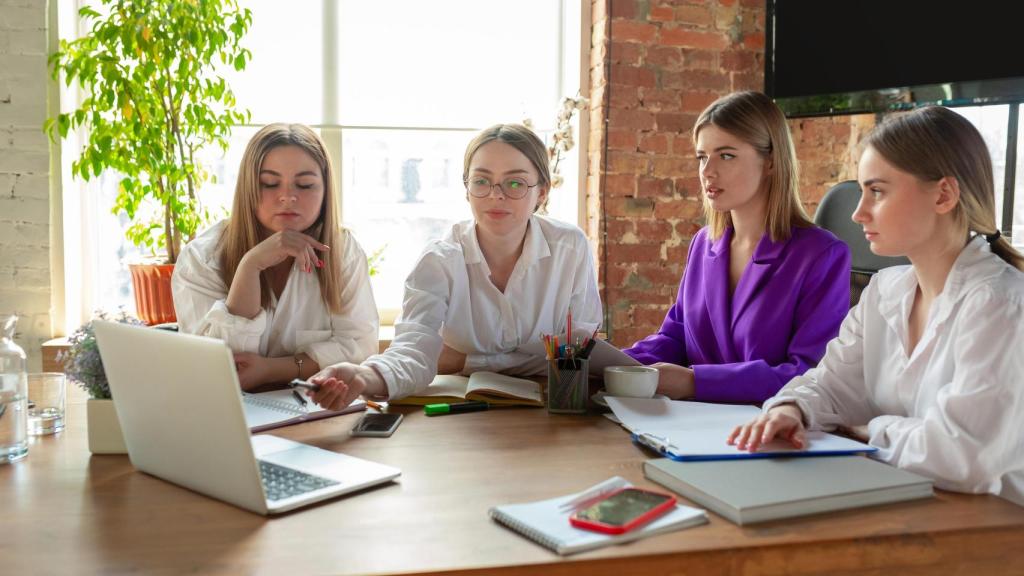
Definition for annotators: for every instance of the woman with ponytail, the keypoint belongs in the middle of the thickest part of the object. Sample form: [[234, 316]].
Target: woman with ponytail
[[928, 366]]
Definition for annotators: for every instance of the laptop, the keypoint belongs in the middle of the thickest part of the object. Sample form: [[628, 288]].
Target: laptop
[[180, 407]]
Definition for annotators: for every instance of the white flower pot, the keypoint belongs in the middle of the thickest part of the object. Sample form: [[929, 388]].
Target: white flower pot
[[105, 435]]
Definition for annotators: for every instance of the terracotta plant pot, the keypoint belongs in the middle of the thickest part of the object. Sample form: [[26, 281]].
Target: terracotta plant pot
[[105, 435], [152, 286]]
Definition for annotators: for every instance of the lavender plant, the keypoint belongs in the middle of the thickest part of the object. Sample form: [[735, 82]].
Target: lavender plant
[[82, 362]]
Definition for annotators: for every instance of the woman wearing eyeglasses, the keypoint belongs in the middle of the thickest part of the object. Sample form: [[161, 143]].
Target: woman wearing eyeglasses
[[493, 284]]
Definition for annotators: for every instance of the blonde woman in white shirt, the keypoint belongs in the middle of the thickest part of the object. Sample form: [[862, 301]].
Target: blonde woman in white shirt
[[280, 281], [928, 366], [493, 284]]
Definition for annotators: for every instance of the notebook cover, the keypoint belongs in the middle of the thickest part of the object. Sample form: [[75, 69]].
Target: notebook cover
[[757, 490]]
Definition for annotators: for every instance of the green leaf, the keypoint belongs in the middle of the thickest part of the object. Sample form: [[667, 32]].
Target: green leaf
[[135, 61]]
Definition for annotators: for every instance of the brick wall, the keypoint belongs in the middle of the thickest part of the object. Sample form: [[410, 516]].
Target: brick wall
[[24, 174], [655, 65]]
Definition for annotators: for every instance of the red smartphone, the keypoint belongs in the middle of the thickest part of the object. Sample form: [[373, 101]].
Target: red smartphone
[[622, 511]]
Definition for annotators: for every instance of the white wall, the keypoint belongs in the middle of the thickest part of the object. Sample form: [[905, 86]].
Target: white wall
[[24, 173]]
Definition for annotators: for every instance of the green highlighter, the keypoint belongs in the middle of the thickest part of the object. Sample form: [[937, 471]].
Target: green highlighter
[[457, 408]]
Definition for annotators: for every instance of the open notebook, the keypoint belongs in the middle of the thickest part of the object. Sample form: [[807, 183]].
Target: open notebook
[[490, 387], [547, 522], [269, 410]]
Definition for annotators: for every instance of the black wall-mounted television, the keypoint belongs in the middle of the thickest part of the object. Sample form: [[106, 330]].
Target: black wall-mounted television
[[828, 57]]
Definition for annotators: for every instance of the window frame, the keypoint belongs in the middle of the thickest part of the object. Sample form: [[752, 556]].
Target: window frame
[[76, 201]]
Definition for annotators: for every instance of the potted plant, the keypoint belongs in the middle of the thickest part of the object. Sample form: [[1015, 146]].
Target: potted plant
[[153, 98], [83, 365]]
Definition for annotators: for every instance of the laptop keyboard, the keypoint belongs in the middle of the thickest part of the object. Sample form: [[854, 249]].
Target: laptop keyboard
[[280, 482]]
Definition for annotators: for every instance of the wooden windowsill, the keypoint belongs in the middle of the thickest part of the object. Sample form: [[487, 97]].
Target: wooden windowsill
[[53, 347]]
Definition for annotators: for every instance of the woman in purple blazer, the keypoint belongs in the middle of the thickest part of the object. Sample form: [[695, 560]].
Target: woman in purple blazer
[[764, 289]]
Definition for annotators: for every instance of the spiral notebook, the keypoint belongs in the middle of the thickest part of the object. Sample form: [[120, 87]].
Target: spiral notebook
[[269, 410], [546, 522]]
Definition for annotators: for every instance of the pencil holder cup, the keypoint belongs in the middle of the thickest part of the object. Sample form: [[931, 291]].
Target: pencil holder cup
[[568, 384]]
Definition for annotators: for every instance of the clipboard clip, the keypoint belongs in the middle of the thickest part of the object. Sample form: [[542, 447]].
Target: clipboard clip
[[661, 444]]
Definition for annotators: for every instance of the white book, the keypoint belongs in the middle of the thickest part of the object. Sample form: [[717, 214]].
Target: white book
[[748, 491], [546, 522]]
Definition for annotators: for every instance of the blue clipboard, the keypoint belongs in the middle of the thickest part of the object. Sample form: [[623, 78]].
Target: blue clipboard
[[664, 448]]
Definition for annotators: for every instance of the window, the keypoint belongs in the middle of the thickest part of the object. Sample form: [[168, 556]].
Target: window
[[1018, 191], [994, 124], [396, 88]]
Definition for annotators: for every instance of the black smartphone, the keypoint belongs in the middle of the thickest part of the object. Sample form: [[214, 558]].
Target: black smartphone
[[377, 425]]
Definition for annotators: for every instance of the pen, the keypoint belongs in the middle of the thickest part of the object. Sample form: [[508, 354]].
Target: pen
[[456, 408], [299, 398], [588, 349], [374, 405], [303, 384]]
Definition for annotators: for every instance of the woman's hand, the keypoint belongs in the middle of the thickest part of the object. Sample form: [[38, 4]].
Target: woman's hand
[[253, 369], [451, 361], [782, 421], [675, 381], [342, 383], [244, 295], [283, 244]]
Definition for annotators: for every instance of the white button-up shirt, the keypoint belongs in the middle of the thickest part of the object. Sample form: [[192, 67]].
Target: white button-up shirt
[[298, 322], [953, 409], [450, 299]]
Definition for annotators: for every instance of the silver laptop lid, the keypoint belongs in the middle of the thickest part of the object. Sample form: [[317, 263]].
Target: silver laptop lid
[[178, 401]]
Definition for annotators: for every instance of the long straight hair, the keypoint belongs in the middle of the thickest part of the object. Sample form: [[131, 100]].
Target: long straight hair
[[932, 143], [244, 231], [755, 119]]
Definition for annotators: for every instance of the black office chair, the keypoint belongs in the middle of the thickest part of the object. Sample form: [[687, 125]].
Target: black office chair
[[834, 214]]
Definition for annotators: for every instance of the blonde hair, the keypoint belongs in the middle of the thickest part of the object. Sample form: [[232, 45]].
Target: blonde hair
[[755, 119], [522, 139], [244, 231], [932, 143]]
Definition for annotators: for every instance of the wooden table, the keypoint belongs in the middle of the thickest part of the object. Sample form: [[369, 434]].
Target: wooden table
[[65, 511]]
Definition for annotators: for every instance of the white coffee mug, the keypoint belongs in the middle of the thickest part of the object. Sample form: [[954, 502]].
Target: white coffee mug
[[631, 381]]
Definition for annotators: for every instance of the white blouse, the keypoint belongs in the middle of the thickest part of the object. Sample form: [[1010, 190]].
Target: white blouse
[[954, 409], [449, 299], [298, 322]]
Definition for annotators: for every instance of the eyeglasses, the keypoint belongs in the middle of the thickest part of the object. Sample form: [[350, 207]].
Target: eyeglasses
[[514, 188]]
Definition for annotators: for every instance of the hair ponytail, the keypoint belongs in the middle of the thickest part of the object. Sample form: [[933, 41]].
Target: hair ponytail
[[1000, 247]]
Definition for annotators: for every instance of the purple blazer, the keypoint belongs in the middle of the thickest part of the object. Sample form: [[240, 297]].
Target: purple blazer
[[743, 348]]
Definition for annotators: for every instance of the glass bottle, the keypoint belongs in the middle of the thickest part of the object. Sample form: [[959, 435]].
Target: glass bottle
[[13, 396]]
